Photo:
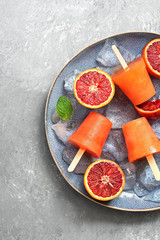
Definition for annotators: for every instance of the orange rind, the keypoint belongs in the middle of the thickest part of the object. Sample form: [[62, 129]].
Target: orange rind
[[149, 109]]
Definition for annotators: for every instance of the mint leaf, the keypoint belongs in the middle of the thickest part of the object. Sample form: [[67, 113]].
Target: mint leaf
[[64, 108]]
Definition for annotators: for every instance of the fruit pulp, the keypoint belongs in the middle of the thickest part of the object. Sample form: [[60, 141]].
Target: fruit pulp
[[94, 88], [153, 55], [149, 109], [104, 180]]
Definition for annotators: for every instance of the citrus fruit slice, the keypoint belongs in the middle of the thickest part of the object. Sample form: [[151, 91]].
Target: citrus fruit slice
[[149, 109], [93, 88], [104, 180], [151, 56]]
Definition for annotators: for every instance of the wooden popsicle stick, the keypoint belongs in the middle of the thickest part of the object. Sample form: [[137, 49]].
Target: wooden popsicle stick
[[153, 166], [119, 56], [76, 160]]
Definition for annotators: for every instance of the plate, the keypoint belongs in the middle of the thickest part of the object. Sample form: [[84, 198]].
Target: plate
[[85, 59]]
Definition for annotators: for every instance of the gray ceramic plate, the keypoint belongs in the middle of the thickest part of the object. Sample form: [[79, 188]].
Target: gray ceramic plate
[[134, 41]]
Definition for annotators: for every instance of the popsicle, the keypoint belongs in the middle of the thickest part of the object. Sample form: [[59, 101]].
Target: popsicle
[[90, 137], [133, 79], [141, 141]]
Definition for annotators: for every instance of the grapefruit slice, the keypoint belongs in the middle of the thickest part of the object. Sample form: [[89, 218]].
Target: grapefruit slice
[[149, 109], [151, 56], [104, 180], [93, 88]]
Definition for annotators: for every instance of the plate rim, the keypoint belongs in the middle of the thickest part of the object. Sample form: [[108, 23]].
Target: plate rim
[[46, 133]]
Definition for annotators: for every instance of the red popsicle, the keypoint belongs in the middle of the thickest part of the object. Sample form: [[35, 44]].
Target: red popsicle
[[141, 141], [90, 137], [133, 79]]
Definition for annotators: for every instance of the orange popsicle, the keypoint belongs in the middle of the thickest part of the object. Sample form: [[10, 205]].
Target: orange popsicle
[[135, 82], [141, 141], [133, 79], [92, 134]]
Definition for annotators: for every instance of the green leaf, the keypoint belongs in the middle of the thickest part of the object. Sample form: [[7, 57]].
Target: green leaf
[[64, 108]]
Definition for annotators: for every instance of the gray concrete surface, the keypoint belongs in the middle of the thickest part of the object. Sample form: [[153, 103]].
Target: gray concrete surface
[[36, 39]]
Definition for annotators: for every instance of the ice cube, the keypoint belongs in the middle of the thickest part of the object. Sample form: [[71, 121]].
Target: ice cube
[[139, 55], [115, 145], [64, 129], [99, 110], [121, 97], [107, 155], [79, 111], [109, 70], [156, 84], [156, 126], [69, 80], [106, 56], [55, 118], [68, 155], [140, 190], [120, 110], [130, 175], [154, 196], [145, 175]]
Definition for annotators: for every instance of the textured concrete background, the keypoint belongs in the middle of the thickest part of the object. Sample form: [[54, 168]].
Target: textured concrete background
[[36, 39]]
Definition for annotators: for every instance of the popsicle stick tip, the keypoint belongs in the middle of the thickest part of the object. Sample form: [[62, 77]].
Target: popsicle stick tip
[[153, 166], [76, 160], [119, 56], [114, 47], [69, 169]]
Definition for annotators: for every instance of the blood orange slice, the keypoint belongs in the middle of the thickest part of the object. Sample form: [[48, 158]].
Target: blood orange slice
[[104, 180], [151, 56], [149, 109], [93, 88]]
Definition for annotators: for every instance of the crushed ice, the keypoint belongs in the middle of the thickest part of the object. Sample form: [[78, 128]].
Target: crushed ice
[[130, 175], [64, 129], [154, 196], [69, 80], [120, 110], [115, 145]]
